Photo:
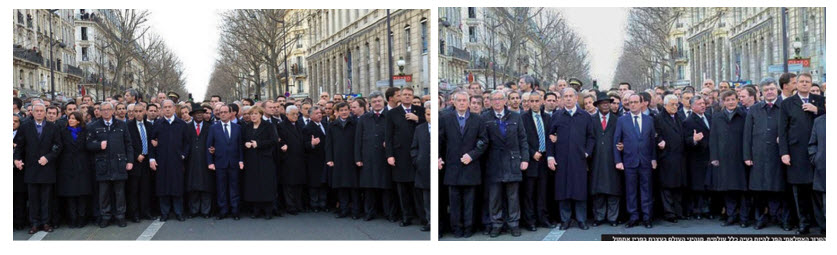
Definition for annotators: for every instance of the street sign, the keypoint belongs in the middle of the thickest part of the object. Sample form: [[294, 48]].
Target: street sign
[[805, 62], [407, 78], [795, 67], [776, 68], [385, 83]]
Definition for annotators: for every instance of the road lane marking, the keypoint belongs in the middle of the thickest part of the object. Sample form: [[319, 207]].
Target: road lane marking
[[38, 236], [554, 235], [150, 231]]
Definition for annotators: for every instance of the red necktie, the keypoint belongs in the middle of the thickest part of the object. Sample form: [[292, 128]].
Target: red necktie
[[199, 129], [604, 122]]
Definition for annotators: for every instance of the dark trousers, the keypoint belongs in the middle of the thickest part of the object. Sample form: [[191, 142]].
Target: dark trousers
[[169, 202], [497, 194], [318, 196], [139, 195], [672, 199], [802, 201], [461, 207], [200, 202], [407, 200], [737, 205], [226, 184], [425, 202], [638, 192], [349, 201], [19, 205], [76, 208], [293, 197], [112, 199], [533, 201], [371, 197], [699, 202], [567, 206], [39, 198], [605, 207], [819, 208], [767, 204]]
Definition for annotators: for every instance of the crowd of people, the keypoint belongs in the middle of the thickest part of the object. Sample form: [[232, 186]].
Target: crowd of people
[[124, 158], [531, 154]]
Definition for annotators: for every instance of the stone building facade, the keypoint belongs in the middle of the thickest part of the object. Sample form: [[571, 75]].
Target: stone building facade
[[31, 56]]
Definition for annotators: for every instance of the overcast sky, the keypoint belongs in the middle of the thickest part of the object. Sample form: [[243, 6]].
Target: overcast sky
[[603, 29], [192, 34]]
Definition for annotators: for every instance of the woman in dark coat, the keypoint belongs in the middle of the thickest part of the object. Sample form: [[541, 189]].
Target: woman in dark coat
[[74, 173], [729, 173], [340, 155], [292, 172], [259, 168]]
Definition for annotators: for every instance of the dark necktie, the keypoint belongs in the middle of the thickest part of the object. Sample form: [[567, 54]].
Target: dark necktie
[[461, 124], [636, 125], [377, 114], [805, 100], [408, 110], [227, 131], [39, 127]]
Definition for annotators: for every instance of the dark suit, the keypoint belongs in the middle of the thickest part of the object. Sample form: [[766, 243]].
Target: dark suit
[[420, 152], [506, 150], [671, 168], [375, 175], [460, 179], [315, 164], [574, 144], [697, 161], [399, 134], [795, 127], [229, 151], [606, 184], [639, 150], [816, 152], [31, 146], [139, 188], [767, 175], [170, 154], [535, 181]]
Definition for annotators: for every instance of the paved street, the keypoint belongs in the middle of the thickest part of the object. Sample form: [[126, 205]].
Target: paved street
[[305, 226], [594, 233]]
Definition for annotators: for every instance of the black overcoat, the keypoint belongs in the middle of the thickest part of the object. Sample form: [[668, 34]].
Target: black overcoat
[[314, 155], [760, 136], [369, 149], [571, 150], [259, 168], [292, 170], [75, 176], [198, 175], [340, 145], [505, 152], [420, 152], [399, 136], [454, 143], [795, 127], [170, 154], [31, 147], [725, 145], [671, 166], [604, 177]]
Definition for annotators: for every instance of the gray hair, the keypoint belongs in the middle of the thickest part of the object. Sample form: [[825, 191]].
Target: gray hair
[[568, 89], [102, 105], [294, 108], [767, 81], [41, 105], [461, 92], [427, 105], [498, 92], [528, 79], [133, 93], [314, 108], [375, 94], [526, 95], [669, 98], [167, 100], [695, 98]]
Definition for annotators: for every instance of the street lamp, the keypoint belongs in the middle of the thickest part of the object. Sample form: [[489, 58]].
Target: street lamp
[[797, 48], [51, 59], [401, 64]]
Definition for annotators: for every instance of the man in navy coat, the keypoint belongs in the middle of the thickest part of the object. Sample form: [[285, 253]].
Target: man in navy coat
[[636, 132], [225, 156]]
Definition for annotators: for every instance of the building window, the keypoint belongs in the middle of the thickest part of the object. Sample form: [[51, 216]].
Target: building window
[[680, 72], [472, 12], [679, 47], [84, 54], [423, 35], [472, 34], [407, 39], [298, 41], [84, 33]]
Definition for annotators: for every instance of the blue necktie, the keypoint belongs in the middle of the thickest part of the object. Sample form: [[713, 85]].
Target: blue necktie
[[226, 131], [144, 140], [636, 126], [461, 124], [805, 100], [39, 128], [541, 140]]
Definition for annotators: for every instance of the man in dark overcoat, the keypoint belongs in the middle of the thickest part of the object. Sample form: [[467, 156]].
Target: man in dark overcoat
[[420, 152], [109, 141], [36, 153], [606, 185], [400, 128], [671, 166], [171, 136], [292, 174], [728, 174], [816, 150], [375, 176], [200, 180]]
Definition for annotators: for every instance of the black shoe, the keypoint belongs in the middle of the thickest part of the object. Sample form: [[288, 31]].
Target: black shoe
[[458, 233], [220, 217], [698, 217], [596, 223], [149, 217], [671, 219], [565, 225], [405, 223], [205, 216], [583, 226], [189, 216], [547, 225], [760, 225], [803, 230], [745, 224], [532, 228], [614, 223], [236, 217], [293, 212], [164, 218], [425, 228], [342, 215], [135, 219], [787, 227], [630, 224], [468, 233], [180, 218], [368, 218], [648, 224], [728, 223], [121, 223], [495, 232], [515, 232], [267, 216], [315, 210], [104, 223], [486, 230], [710, 216]]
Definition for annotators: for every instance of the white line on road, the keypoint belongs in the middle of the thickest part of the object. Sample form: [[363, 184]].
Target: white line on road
[[554, 235], [38, 236], [150, 231]]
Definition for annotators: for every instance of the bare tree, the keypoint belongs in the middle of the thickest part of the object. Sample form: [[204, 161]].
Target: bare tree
[[122, 33]]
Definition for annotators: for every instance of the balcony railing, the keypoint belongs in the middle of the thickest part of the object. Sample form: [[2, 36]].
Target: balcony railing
[[73, 70], [458, 53], [29, 55], [298, 70]]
